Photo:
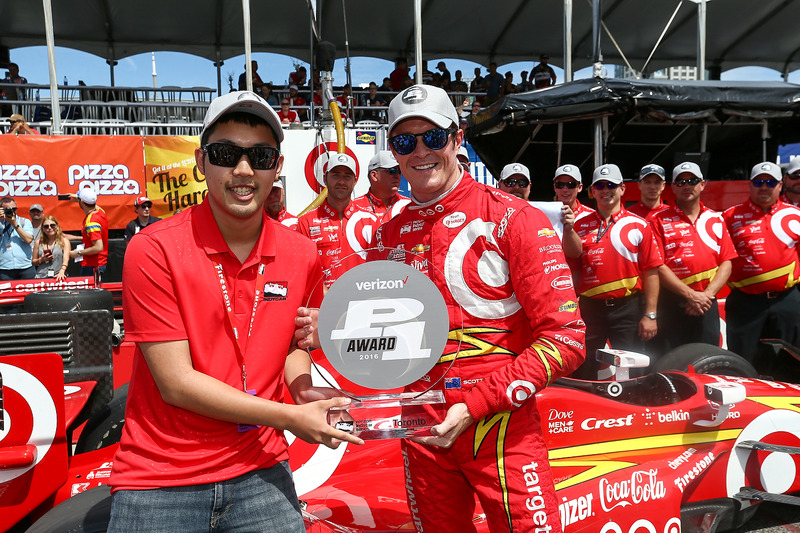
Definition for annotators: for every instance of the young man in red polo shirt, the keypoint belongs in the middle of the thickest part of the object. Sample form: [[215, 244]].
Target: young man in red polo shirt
[[210, 297], [618, 286], [763, 300], [697, 253], [652, 180]]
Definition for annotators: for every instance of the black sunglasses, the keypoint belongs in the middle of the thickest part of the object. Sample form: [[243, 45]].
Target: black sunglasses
[[435, 139], [691, 181], [600, 185], [229, 155], [284, 103], [567, 184], [758, 182], [393, 171], [516, 182]]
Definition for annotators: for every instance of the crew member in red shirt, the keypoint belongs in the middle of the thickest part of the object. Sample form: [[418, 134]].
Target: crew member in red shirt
[[652, 180], [567, 183], [384, 182], [765, 233], [697, 253], [791, 183], [618, 286], [287, 115], [94, 254], [515, 179], [210, 297], [275, 206], [341, 230]]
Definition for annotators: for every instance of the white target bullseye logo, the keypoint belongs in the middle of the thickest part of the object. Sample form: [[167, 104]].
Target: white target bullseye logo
[[491, 268], [626, 235], [42, 408], [709, 228], [786, 226], [520, 390], [359, 230], [777, 471]]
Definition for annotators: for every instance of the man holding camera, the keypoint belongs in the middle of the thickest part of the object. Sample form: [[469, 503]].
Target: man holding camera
[[15, 244]]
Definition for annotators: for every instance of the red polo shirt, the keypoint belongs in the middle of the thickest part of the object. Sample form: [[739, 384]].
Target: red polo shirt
[[766, 244], [614, 256], [581, 211], [341, 242], [644, 211], [693, 251], [371, 203], [172, 292]]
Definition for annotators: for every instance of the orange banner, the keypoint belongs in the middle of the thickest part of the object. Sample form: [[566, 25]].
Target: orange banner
[[36, 169]]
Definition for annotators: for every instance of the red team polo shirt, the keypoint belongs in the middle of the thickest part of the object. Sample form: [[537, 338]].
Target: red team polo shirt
[[766, 244], [371, 203], [95, 226], [341, 242], [692, 251], [643, 211], [172, 293], [582, 210], [614, 257], [287, 219]]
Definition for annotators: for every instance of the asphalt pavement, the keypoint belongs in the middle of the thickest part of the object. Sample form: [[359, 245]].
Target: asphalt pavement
[[773, 518]]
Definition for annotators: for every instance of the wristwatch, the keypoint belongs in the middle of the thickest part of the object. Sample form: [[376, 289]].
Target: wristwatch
[[651, 315]]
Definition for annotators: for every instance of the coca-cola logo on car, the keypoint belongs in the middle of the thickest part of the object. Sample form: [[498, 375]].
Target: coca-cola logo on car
[[643, 486]]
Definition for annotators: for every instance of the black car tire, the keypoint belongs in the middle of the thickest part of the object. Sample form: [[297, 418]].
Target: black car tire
[[104, 428], [66, 300], [87, 512], [705, 359]]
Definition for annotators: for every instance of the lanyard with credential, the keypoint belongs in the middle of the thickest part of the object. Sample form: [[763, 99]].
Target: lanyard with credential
[[226, 300]]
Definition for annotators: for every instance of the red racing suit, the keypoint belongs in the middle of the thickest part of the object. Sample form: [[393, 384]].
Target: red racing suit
[[341, 242], [514, 328], [373, 204], [287, 219]]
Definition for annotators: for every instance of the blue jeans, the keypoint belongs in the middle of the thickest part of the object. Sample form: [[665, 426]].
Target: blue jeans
[[262, 500]]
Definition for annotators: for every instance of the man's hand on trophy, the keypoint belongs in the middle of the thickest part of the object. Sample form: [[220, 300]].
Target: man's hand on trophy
[[454, 424], [305, 335], [341, 420], [310, 423]]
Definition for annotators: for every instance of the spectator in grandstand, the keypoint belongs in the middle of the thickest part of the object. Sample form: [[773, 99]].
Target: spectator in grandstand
[[36, 211], [51, 251], [12, 93], [93, 255], [142, 206], [276, 206], [15, 243], [543, 74], [18, 126], [373, 99], [299, 76], [287, 115], [618, 286], [398, 75], [791, 183], [267, 94], [524, 85], [298, 102], [493, 85], [763, 301], [458, 85], [515, 179], [446, 79], [384, 183], [257, 83], [652, 180], [697, 253], [508, 84]]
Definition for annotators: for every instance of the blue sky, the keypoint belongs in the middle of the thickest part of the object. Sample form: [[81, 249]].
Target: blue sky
[[186, 70]]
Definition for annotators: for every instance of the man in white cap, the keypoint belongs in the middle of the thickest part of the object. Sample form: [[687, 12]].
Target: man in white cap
[[384, 183], [697, 253], [209, 298], [463, 158], [763, 301], [618, 285], [36, 211], [93, 254], [498, 262], [142, 206], [276, 206], [515, 179], [791, 183], [567, 183], [340, 229], [652, 180]]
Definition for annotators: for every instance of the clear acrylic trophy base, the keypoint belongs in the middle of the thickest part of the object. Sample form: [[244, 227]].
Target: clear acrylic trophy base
[[391, 416]]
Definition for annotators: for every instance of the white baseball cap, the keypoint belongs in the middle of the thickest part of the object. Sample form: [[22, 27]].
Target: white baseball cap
[[770, 169], [278, 183], [383, 159], [423, 101], [87, 195], [608, 172], [793, 166], [658, 170], [512, 169], [243, 102], [462, 152], [568, 170], [688, 166], [341, 160]]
